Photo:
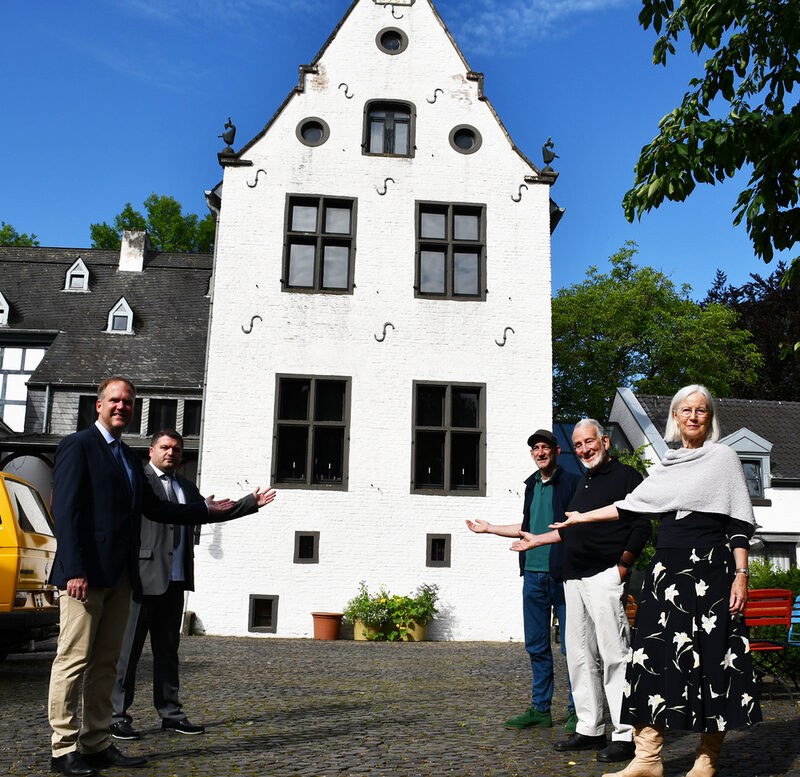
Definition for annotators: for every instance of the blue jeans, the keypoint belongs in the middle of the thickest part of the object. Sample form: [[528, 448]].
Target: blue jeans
[[539, 593]]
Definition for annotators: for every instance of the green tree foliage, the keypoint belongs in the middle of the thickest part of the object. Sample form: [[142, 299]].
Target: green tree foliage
[[166, 224], [738, 114], [769, 310], [10, 237], [632, 327]]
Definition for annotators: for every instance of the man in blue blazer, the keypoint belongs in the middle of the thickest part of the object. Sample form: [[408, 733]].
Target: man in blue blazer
[[99, 496]]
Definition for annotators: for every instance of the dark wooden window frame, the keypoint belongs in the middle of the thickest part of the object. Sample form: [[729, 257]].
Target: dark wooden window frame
[[310, 423], [389, 105], [429, 560], [251, 612], [298, 536], [449, 244], [319, 238], [448, 429]]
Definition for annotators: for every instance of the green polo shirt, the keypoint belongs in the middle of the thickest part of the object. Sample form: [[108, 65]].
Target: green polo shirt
[[541, 511]]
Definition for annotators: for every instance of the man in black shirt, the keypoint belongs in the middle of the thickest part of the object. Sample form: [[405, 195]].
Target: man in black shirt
[[597, 561]]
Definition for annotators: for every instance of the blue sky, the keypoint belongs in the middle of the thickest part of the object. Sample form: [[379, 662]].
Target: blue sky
[[107, 101]]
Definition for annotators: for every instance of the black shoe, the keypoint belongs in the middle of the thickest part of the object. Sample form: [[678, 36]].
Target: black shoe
[[124, 730], [112, 757], [182, 726], [72, 764], [578, 741], [617, 751]]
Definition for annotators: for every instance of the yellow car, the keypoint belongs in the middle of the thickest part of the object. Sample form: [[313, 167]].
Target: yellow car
[[28, 604]]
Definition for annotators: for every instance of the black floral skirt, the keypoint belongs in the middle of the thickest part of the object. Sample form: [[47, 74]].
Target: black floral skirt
[[689, 666]]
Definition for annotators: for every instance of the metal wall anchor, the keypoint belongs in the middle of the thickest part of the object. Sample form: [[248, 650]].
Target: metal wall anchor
[[252, 321], [383, 337], [505, 335]]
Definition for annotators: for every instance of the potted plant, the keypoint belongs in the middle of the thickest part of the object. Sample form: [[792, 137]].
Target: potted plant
[[411, 614], [369, 613], [384, 616]]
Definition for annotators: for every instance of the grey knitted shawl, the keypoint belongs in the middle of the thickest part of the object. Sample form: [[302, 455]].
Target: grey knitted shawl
[[707, 479]]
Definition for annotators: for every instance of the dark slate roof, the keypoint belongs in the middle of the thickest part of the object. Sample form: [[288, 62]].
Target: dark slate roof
[[776, 422], [170, 315]]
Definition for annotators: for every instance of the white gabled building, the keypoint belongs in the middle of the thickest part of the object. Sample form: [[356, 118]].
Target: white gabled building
[[379, 345]]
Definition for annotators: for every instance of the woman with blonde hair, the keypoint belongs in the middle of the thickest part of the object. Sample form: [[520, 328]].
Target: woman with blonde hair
[[689, 666]]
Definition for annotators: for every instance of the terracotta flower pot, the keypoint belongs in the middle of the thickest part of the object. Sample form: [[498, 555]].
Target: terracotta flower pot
[[327, 624]]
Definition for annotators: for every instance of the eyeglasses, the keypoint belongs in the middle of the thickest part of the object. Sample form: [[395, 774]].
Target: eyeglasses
[[686, 412]]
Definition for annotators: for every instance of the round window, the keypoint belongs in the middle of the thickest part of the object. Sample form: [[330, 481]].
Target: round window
[[391, 40], [312, 131], [465, 139]]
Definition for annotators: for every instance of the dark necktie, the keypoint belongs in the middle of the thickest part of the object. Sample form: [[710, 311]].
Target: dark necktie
[[172, 497], [116, 449]]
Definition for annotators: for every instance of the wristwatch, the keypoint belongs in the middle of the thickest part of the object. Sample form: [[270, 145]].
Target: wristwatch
[[622, 563], [743, 571]]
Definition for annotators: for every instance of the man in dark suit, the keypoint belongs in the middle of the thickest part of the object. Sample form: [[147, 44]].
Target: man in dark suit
[[99, 496], [166, 571]]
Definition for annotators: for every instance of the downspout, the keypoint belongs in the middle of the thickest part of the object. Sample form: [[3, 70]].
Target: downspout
[[214, 203]]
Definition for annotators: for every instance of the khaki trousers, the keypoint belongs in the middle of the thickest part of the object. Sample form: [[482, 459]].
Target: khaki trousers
[[85, 666], [597, 637]]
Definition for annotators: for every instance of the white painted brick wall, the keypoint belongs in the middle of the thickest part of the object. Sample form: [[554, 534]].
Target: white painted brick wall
[[377, 529]]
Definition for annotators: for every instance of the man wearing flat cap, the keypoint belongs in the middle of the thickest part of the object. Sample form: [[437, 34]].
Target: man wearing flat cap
[[548, 491]]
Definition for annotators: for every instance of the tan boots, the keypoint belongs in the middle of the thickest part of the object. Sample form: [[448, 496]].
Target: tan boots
[[705, 764], [647, 761]]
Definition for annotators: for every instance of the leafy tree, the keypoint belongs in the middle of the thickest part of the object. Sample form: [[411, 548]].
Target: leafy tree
[[10, 237], [771, 312], [166, 224], [632, 327], [747, 81]]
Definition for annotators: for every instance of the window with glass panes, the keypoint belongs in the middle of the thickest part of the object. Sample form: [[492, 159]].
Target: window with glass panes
[[312, 418], [449, 439], [319, 247], [450, 251], [163, 414], [17, 363], [389, 129]]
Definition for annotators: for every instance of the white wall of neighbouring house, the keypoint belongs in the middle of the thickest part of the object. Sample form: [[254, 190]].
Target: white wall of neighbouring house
[[376, 529]]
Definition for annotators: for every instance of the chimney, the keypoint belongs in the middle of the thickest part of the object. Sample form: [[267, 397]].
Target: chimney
[[135, 245]]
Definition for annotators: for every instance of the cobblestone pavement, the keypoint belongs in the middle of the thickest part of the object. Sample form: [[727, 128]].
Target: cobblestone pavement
[[304, 707]]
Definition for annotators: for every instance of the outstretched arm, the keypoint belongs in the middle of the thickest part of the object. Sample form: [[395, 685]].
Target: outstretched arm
[[484, 527], [528, 540], [608, 513]]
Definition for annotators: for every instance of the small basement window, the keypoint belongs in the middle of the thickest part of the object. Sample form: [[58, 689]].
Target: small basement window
[[306, 547], [263, 615], [437, 553]]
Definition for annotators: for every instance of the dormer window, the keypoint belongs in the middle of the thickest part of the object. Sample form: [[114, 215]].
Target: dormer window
[[3, 311], [752, 474], [77, 277], [754, 453], [120, 319]]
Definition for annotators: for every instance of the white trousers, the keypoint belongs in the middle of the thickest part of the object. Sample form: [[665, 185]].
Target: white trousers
[[597, 637]]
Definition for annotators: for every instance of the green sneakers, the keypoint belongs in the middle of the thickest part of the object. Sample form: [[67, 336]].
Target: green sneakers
[[572, 722], [531, 718]]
